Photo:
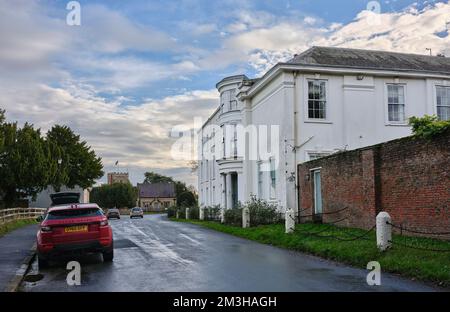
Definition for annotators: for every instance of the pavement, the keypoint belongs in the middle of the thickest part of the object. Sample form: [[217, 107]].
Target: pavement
[[155, 254], [15, 249]]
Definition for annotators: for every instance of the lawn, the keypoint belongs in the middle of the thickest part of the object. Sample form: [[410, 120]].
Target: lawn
[[425, 265], [13, 225]]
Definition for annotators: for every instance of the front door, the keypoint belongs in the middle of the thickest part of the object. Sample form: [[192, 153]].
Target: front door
[[317, 193], [234, 188]]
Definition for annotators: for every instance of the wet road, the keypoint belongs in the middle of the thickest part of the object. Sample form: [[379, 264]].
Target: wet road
[[155, 254]]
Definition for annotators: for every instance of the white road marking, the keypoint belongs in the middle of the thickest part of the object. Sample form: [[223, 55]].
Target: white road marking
[[190, 239]]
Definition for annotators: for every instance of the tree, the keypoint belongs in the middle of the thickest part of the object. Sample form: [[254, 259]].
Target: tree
[[79, 165], [118, 195], [153, 177], [25, 166]]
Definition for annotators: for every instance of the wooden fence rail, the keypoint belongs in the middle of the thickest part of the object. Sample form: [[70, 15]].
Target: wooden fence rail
[[11, 214]]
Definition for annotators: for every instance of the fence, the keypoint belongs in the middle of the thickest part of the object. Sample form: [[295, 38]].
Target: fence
[[12, 214]]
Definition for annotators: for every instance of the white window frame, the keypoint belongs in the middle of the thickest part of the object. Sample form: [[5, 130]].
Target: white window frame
[[327, 101], [272, 180], [435, 98], [405, 105], [260, 180]]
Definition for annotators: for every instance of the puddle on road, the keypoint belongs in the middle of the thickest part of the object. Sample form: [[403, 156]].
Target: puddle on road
[[33, 278]]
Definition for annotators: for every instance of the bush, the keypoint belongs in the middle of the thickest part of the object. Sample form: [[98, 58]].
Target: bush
[[428, 126], [212, 213], [172, 211], [233, 216], [194, 213], [261, 212]]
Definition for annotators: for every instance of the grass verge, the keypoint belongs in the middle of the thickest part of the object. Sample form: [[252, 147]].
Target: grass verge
[[13, 225], [424, 265]]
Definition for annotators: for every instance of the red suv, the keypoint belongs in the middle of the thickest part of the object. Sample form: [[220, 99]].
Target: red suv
[[74, 228]]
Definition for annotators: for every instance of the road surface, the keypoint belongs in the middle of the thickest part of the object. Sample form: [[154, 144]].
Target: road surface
[[155, 254]]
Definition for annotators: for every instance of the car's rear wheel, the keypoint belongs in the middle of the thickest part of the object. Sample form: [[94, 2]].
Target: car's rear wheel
[[42, 262], [108, 256]]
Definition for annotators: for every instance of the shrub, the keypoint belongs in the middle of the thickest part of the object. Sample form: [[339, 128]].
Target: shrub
[[181, 213], [172, 211], [233, 216], [262, 212], [194, 213], [212, 213], [428, 126]]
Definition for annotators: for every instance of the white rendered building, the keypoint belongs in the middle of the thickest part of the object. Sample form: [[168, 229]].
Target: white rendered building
[[323, 101]]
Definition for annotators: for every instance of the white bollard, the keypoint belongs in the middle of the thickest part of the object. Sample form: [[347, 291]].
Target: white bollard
[[187, 213], [222, 215], [178, 214], [289, 221], [201, 213], [384, 231], [245, 218]]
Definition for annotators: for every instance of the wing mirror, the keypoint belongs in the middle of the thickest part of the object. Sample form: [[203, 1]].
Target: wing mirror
[[40, 218]]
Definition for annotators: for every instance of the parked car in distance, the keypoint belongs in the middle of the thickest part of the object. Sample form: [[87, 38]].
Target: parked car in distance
[[113, 213], [74, 228], [136, 212]]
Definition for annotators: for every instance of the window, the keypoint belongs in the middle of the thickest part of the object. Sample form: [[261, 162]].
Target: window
[[396, 103], [317, 99], [273, 179], [260, 180], [443, 102]]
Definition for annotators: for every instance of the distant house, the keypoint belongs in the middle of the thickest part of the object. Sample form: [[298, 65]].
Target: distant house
[[156, 196]]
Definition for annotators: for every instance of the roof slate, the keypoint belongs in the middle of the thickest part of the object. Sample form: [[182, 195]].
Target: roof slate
[[370, 59], [156, 190]]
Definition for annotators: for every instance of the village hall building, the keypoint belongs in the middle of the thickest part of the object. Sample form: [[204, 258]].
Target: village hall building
[[323, 101]]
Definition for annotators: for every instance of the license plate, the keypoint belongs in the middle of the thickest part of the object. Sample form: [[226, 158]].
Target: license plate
[[76, 228]]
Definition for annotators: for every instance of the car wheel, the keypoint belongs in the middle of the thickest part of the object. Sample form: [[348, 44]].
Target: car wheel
[[42, 262], [108, 256], [142, 217]]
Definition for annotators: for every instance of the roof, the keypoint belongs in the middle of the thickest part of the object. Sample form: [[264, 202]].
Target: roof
[[156, 190], [371, 59], [73, 206]]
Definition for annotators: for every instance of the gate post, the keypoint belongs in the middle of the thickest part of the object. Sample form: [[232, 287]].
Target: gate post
[[187, 213], [245, 218], [289, 221], [384, 231], [201, 213]]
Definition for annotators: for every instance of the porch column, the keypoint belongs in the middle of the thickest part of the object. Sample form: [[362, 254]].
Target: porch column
[[223, 201], [229, 190]]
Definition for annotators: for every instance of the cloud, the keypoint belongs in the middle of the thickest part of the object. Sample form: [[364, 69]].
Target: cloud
[[137, 135], [262, 40]]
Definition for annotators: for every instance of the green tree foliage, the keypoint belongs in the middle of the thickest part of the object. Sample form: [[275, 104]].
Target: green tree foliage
[[79, 164], [25, 166], [30, 162], [428, 126], [185, 196], [120, 195], [153, 177]]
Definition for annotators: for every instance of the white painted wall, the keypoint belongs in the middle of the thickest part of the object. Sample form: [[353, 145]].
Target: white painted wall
[[356, 117]]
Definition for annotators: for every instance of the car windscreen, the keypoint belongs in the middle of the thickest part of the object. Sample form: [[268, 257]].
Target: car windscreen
[[73, 213], [136, 209]]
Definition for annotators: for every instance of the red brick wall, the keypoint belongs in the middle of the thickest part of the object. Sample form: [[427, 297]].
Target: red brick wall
[[409, 178]]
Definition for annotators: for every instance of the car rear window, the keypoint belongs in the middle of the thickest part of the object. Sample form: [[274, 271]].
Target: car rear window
[[73, 213]]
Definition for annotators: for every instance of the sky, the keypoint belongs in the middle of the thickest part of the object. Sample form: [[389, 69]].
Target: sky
[[135, 70]]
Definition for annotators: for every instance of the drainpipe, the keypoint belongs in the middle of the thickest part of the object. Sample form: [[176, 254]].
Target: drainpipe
[[295, 141]]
